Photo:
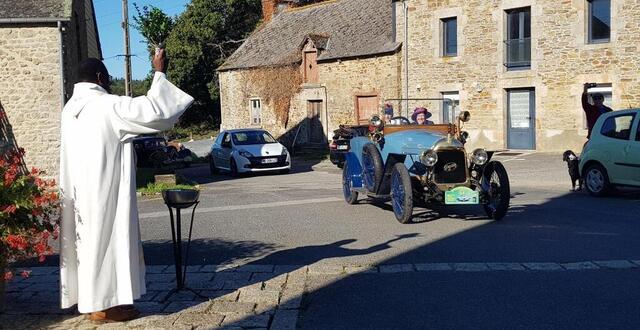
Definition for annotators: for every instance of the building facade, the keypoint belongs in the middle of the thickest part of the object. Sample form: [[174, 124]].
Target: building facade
[[345, 66], [41, 43], [518, 66]]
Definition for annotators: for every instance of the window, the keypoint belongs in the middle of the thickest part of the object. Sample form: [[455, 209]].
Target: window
[[256, 107], [518, 39], [606, 91], [450, 36], [450, 107], [618, 127], [252, 137], [599, 21]]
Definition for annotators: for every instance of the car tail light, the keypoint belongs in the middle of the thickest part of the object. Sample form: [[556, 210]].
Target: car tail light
[[333, 145]]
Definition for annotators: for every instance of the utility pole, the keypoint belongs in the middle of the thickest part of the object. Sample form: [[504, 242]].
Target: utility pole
[[127, 50]]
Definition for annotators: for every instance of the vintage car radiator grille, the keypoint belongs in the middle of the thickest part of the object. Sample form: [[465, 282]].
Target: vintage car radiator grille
[[443, 172]]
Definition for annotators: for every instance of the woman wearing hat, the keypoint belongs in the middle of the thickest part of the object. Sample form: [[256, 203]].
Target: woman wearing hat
[[420, 116]]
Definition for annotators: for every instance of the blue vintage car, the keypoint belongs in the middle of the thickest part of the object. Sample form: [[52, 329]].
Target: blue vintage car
[[423, 164]]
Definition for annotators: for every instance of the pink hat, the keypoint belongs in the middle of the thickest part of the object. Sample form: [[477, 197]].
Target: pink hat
[[420, 110]]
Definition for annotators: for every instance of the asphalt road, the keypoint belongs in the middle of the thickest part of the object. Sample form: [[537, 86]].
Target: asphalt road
[[301, 219]]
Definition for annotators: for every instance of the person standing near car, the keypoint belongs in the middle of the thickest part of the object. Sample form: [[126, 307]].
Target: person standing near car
[[388, 112], [101, 261], [593, 112]]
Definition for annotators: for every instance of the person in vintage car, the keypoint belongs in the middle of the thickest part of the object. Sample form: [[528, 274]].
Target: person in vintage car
[[420, 116], [411, 165]]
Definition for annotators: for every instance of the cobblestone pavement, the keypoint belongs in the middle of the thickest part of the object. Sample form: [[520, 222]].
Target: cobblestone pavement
[[239, 296]]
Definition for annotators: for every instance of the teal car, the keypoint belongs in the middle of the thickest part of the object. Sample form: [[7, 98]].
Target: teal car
[[612, 155]]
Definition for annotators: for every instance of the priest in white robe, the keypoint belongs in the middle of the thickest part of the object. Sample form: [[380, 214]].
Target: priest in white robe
[[101, 261]]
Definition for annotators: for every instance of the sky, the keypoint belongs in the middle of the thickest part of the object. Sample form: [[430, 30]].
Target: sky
[[109, 17]]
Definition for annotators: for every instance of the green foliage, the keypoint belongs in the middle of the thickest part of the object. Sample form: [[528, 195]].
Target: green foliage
[[202, 38], [138, 87], [153, 24], [157, 188]]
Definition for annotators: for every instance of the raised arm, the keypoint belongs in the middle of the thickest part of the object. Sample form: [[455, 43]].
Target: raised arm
[[157, 111]]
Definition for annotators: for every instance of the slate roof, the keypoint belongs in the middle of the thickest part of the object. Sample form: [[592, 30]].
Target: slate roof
[[341, 29], [35, 9]]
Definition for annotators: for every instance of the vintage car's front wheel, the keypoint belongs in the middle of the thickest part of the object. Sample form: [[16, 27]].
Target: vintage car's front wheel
[[401, 193], [495, 182], [372, 166], [350, 195]]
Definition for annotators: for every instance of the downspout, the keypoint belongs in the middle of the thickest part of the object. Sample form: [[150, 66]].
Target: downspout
[[62, 89], [405, 46]]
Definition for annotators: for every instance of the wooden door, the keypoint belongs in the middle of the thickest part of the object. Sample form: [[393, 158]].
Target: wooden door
[[366, 106], [310, 67], [314, 117]]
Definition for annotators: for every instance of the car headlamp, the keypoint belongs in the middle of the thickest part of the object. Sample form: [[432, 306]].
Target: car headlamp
[[479, 157], [284, 151], [429, 158], [245, 154]]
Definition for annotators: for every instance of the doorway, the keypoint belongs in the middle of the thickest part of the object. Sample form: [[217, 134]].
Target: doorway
[[315, 131], [366, 106], [521, 130]]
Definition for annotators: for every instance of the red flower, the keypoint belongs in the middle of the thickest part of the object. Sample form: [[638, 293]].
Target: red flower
[[17, 242], [41, 248], [8, 276], [11, 209]]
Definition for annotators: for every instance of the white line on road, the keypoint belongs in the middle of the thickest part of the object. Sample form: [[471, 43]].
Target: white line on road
[[248, 206]]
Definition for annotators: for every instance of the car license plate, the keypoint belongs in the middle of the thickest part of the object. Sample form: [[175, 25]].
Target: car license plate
[[269, 160], [461, 195], [343, 147]]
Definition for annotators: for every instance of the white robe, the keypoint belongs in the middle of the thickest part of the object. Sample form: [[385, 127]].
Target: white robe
[[101, 259]]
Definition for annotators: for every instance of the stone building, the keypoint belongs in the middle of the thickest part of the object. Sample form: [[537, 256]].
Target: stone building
[[518, 66], [337, 60], [41, 42]]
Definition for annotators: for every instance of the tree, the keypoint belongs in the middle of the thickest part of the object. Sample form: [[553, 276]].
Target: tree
[[200, 41], [153, 24]]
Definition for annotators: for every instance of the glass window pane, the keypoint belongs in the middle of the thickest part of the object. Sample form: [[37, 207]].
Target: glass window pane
[[618, 127], [600, 19], [450, 35], [527, 24]]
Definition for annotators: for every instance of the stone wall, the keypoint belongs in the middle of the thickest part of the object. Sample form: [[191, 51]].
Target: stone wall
[[339, 83], [30, 91], [562, 61]]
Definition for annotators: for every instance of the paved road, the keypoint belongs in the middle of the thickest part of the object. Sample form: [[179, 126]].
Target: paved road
[[301, 219]]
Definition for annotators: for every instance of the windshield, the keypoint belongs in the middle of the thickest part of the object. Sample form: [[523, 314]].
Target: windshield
[[252, 137]]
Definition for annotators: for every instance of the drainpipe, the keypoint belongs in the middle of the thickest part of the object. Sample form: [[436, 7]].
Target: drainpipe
[[62, 89], [405, 46]]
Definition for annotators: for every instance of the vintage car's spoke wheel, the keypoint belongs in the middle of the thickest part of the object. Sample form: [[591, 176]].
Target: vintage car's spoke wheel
[[350, 195], [373, 167], [212, 166], [401, 193], [597, 180], [496, 185]]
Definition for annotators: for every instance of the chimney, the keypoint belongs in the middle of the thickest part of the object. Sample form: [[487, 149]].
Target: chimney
[[269, 8]]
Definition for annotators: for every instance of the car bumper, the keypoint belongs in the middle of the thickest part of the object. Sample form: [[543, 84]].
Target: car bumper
[[254, 165], [337, 156]]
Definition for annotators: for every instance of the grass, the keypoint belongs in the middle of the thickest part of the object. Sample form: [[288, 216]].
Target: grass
[[146, 185], [157, 188]]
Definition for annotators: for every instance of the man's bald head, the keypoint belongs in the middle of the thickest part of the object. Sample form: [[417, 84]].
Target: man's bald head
[[92, 70]]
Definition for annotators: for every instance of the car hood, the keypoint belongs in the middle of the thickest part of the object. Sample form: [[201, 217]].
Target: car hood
[[262, 150]]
